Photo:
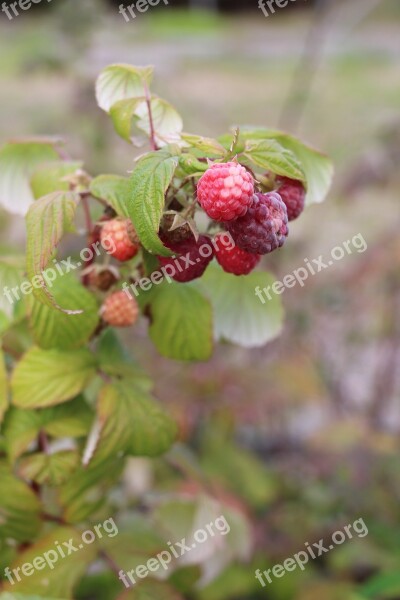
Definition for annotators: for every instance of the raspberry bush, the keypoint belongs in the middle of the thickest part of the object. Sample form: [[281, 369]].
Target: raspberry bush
[[74, 403]]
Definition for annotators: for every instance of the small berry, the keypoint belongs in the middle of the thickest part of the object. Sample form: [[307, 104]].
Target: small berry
[[194, 257], [235, 260], [118, 238], [264, 227], [120, 310], [225, 191], [102, 278], [293, 194], [174, 236]]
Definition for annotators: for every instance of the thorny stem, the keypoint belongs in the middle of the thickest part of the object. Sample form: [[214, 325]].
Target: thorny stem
[[151, 121]]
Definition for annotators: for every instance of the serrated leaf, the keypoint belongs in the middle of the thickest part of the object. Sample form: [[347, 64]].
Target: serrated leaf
[[149, 182], [270, 155], [3, 387], [48, 377], [47, 221], [191, 165], [208, 146], [49, 177], [19, 508], [85, 491], [21, 426], [129, 420], [55, 329], [115, 190], [49, 469], [121, 81], [60, 580], [181, 324], [318, 168], [18, 161], [167, 122], [239, 315]]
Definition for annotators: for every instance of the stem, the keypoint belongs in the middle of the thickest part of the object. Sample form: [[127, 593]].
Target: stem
[[43, 442], [151, 121], [111, 563]]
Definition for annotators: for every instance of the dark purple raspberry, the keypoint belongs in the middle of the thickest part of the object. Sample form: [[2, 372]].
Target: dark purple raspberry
[[293, 194], [264, 228], [192, 258]]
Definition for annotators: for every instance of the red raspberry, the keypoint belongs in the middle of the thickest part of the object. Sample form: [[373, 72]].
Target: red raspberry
[[118, 238], [120, 310], [235, 260], [264, 227], [194, 258], [293, 194], [225, 191]]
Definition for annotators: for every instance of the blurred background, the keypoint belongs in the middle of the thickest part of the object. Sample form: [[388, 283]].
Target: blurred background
[[300, 436]]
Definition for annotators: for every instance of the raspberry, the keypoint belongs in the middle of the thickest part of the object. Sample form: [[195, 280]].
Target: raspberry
[[193, 261], [293, 194], [119, 239], [235, 260], [102, 278], [174, 236], [120, 310], [225, 191], [264, 227]]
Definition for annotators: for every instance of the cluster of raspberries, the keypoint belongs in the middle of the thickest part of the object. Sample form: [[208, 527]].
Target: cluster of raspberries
[[257, 224]]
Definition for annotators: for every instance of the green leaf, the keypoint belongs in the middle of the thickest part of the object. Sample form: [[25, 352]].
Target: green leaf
[[121, 81], [49, 177], [60, 580], [167, 122], [55, 329], [181, 326], [21, 427], [47, 221], [11, 276], [47, 377], [150, 589], [272, 156], [208, 146], [122, 113], [317, 167], [191, 165], [115, 190], [18, 161], [239, 315], [149, 182], [129, 421], [19, 508], [3, 387], [49, 469], [115, 360], [384, 585], [85, 491]]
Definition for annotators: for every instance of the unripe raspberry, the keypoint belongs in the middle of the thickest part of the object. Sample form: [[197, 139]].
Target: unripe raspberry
[[118, 238], [235, 260], [193, 259], [293, 194], [264, 227], [225, 191], [120, 310]]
